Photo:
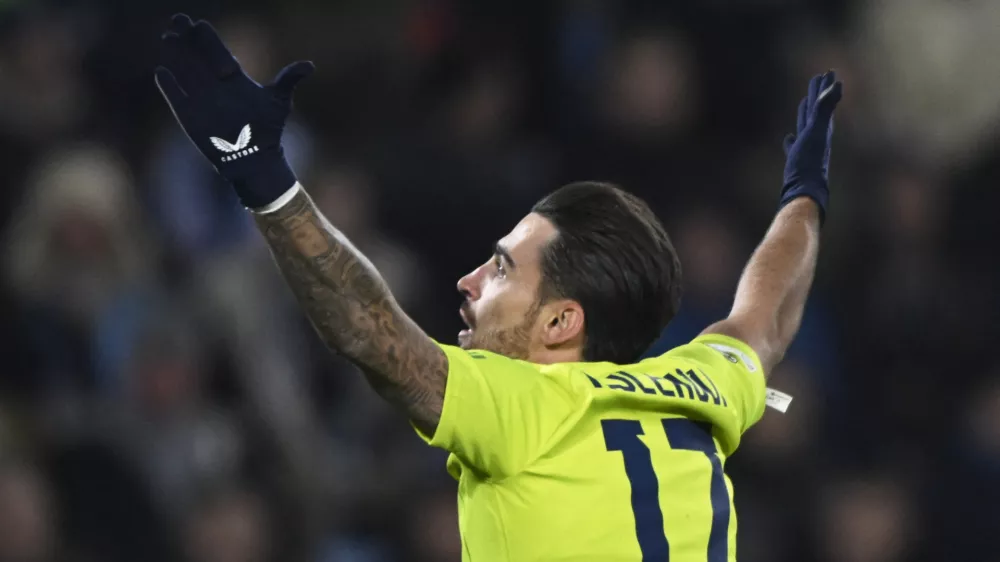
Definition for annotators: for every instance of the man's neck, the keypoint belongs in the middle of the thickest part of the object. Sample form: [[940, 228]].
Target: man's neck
[[549, 356]]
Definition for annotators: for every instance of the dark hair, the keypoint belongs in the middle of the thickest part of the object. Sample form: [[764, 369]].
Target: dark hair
[[611, 255]]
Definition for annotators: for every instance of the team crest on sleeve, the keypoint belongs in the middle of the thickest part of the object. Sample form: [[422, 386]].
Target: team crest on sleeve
[[734, 356]]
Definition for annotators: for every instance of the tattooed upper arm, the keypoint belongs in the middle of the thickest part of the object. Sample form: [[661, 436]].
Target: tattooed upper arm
[[354, 312]]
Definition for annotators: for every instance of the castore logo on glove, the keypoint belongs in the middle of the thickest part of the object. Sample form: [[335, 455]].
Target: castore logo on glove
[[240, 147]]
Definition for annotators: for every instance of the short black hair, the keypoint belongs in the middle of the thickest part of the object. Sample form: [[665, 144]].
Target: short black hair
[[611, 255]]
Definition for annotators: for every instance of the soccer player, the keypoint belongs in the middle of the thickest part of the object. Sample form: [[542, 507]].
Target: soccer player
[[564, 447]]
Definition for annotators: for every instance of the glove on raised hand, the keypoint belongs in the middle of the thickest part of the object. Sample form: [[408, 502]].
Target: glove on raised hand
[[234, 121]]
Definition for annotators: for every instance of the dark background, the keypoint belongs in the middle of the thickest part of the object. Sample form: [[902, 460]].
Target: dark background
[[162, 398]]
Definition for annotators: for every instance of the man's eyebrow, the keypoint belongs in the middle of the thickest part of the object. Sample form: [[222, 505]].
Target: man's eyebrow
[[500, 250]]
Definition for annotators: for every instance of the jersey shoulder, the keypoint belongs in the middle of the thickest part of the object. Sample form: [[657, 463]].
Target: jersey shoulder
[[710, 348], [713, 378], [499, 414], [732, 365]]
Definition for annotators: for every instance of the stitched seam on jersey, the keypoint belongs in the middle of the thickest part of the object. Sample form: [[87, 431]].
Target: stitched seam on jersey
[[542, 450], [496, 484], [570, 421]]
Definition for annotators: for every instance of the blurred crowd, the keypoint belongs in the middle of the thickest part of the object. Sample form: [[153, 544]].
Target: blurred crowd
[[163, 399]]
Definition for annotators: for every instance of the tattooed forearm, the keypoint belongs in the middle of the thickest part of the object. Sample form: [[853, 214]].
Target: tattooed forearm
[[351, 307]]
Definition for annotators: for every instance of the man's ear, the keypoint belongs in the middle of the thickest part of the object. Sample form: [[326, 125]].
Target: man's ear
[[564, 323]]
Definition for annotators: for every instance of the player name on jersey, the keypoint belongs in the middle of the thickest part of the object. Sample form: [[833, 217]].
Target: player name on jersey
[[679, 384]]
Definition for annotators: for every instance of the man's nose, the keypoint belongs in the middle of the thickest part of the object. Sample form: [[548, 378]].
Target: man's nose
[[469, 284]]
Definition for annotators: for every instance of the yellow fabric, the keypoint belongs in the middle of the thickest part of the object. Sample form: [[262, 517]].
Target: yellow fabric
[[563, 462]]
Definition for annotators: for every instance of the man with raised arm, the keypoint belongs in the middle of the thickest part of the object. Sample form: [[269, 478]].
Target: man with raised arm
[[565, 447]]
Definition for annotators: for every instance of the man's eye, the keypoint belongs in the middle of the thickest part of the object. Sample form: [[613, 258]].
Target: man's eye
[[501, 271]]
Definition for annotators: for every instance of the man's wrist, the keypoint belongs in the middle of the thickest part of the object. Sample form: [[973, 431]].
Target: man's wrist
[[819, 194], [805, 201]]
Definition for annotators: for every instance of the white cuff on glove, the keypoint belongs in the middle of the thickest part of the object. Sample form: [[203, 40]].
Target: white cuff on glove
[[280, 201]]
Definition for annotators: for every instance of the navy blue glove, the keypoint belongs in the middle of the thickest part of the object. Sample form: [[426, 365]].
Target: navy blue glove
[[235, 122], [807, 167]]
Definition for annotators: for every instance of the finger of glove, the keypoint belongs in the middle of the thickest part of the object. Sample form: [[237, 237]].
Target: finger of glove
[[788, 142], [196, 65], [828, 100], [801, 120], [175, 58], [206, 41], [180, 24], [828, 79], [286, 80], [813, 90], [171, 90]]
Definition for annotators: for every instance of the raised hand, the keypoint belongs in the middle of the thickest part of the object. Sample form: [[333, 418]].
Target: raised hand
[[807, 167], [234, 121]]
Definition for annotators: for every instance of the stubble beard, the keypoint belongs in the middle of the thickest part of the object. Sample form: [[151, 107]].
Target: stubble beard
[[514, 342]]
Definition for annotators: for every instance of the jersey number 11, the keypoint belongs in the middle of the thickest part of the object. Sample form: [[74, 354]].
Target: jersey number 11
[[623, 435]]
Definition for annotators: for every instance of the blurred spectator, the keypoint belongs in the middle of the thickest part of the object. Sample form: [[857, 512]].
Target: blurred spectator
[[181, 442], [43, 94], [869, 519], [932, 95], [910, 299], [652, 89], [76, 257], [433, 531], [711, 264], [229, 526], [27, 519], [966, 468], [780, 456]]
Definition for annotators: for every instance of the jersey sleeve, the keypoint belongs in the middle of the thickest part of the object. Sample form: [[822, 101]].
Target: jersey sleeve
[[735, 367], [499, 413]]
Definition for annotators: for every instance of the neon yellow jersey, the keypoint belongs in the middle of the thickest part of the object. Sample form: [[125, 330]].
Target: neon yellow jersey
[[597, 461]]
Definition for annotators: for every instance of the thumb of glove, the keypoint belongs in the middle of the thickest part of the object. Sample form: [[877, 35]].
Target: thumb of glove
[[827, 102], [286, 80]]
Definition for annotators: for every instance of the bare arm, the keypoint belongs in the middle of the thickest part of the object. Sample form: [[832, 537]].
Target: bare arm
[[772, 292], [353, 311], [347, 301]]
